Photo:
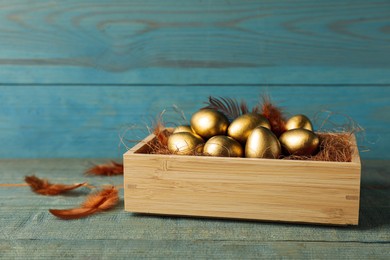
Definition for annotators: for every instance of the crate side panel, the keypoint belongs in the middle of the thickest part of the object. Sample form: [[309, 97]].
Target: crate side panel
[[241, 188]]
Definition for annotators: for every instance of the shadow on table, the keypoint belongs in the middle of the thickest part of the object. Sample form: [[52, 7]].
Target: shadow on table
[[374, 207]]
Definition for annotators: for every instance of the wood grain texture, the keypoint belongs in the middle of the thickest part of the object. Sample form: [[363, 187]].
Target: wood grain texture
[[88, 121], [171, 249], [170, 42], [27, 227], [74, 75], [243, 188]]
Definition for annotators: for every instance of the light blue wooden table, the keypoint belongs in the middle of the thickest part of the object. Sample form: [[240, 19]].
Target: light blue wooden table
[[29, 231], [75, 75]]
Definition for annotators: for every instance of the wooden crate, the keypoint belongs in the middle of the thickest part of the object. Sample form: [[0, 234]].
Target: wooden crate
[[242, 188]]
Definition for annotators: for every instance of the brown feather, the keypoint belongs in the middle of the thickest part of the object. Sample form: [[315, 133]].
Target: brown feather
[[44, 187], [160, 146], [159, 132], [96, 202], [72, 213], [274, 115], [106, 169]]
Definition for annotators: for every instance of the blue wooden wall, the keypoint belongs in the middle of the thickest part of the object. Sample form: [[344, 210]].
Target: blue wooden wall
[[75, 75]]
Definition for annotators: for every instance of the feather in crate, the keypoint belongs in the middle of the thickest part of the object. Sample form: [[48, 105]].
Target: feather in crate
[[96, 202], [227, 106], [44, 187], [274, 115], [158, 130]]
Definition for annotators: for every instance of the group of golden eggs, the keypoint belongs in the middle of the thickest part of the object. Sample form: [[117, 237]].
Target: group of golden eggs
[[248, 135]]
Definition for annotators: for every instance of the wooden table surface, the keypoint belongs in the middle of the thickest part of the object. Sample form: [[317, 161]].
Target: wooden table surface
[[29, 231]]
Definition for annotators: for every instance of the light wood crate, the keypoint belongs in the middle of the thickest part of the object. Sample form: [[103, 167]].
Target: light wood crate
[[242, 188]]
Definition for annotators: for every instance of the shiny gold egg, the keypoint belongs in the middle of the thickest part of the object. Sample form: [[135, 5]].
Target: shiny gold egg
[[183, 128], [185, 143], [209, 122], [299, 121], [262, 143], [243, 125], [187, 129], [223, 146], [299, 141]]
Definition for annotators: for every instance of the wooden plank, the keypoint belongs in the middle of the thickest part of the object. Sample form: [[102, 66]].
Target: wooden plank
[[217, 42], [201, 249], [75, 121]]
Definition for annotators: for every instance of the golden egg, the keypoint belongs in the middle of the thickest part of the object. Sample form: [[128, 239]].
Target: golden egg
[[187, 129], [183, 128], [262, 143], [185, 143], [299, 141], [209, 122], [223, 146], [299, 121], [243, 125]]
